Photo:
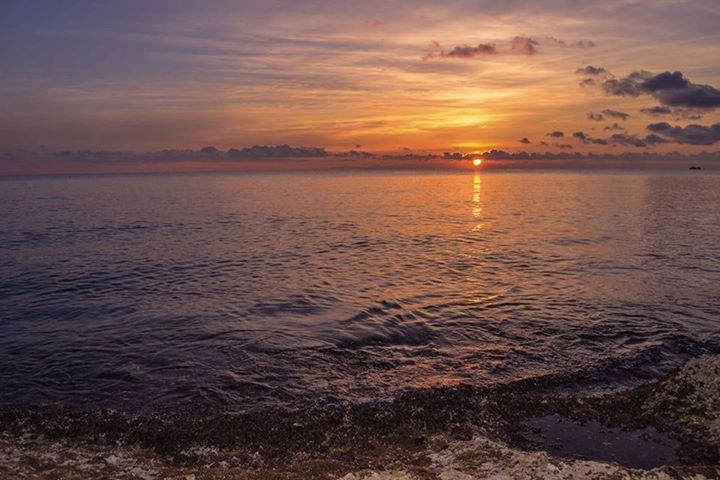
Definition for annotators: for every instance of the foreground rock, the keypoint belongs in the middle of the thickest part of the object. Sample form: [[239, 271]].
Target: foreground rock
[[690, 399], [478, 458], [457, 434]]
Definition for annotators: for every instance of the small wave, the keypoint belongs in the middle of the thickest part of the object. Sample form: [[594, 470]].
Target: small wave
[[626, 371]]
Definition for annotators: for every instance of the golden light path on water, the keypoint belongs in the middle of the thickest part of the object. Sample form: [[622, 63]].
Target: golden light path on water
[[477, 209]]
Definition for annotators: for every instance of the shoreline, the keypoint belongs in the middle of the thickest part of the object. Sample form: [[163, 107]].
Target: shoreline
[[450, 433]]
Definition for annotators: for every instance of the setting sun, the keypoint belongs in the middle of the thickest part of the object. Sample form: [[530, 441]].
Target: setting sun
[[477, 162]]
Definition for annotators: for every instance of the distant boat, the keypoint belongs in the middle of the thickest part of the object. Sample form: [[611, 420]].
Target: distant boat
[[693, 167]]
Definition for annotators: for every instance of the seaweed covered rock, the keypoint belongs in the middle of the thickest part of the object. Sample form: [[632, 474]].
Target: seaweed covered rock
[[690, 399]]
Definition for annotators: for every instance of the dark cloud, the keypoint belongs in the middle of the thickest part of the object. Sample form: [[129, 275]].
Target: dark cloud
[[503, 155], [614, 126], [690, 134], [653, 139], [210, 151], [625, 139], [80, 158], [355, 153], [524, 45], [659, 127], [596, 117], [626, 87], [520, 44], [278, 151], [525, 141], [675, 90], [625, 158], [587, 82], [678, 113], [615, 139], [656, 111], [466, 51], [666, 81], [616, 114], [585, 138], [592, 71], [205, 154], [555, 134], [671, 89]]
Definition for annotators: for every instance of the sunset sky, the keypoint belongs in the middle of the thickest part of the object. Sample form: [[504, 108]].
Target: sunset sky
[[383, 77]]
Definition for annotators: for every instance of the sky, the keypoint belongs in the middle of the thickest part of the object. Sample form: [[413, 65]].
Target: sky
[[137, 85]]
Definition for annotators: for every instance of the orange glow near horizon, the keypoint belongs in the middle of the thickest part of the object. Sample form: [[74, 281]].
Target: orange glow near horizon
[[366, 86]]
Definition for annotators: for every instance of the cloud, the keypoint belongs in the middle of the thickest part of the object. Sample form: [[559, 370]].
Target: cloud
[[671, 89], [585, 138], [278, 151], [616, 114], [524, 45], [687, 114], [626, 157], [614, 126], [596, 117], [585, 44], [503, 155], [592, 71], [626, 87], [577, 44], [555, 134], [88, 160], [520, 44], [210, 151], [354, 153], [652, 139], [614, 139], [678, 113], [465, 51], [625, 139], [674, 90], [205, 154], [656, 111], [525, 141], [690, 134]]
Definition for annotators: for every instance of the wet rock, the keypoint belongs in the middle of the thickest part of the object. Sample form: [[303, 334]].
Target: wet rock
[[458, 433], [690, 399]]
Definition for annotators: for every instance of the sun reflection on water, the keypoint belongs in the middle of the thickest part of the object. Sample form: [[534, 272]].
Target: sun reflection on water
[[477, 209]]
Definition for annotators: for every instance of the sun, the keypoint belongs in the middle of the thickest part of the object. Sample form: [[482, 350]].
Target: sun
[[477, 162]]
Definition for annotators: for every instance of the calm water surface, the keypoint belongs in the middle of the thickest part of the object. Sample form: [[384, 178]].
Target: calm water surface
[[239, 291]]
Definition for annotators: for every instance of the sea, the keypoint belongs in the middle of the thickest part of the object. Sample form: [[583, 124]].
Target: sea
[[242, 292]]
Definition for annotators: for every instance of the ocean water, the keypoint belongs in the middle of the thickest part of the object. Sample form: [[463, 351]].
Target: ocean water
[[243, 291]]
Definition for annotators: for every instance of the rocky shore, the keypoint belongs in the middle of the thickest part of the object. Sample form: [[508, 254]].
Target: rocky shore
[[670, 428]]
